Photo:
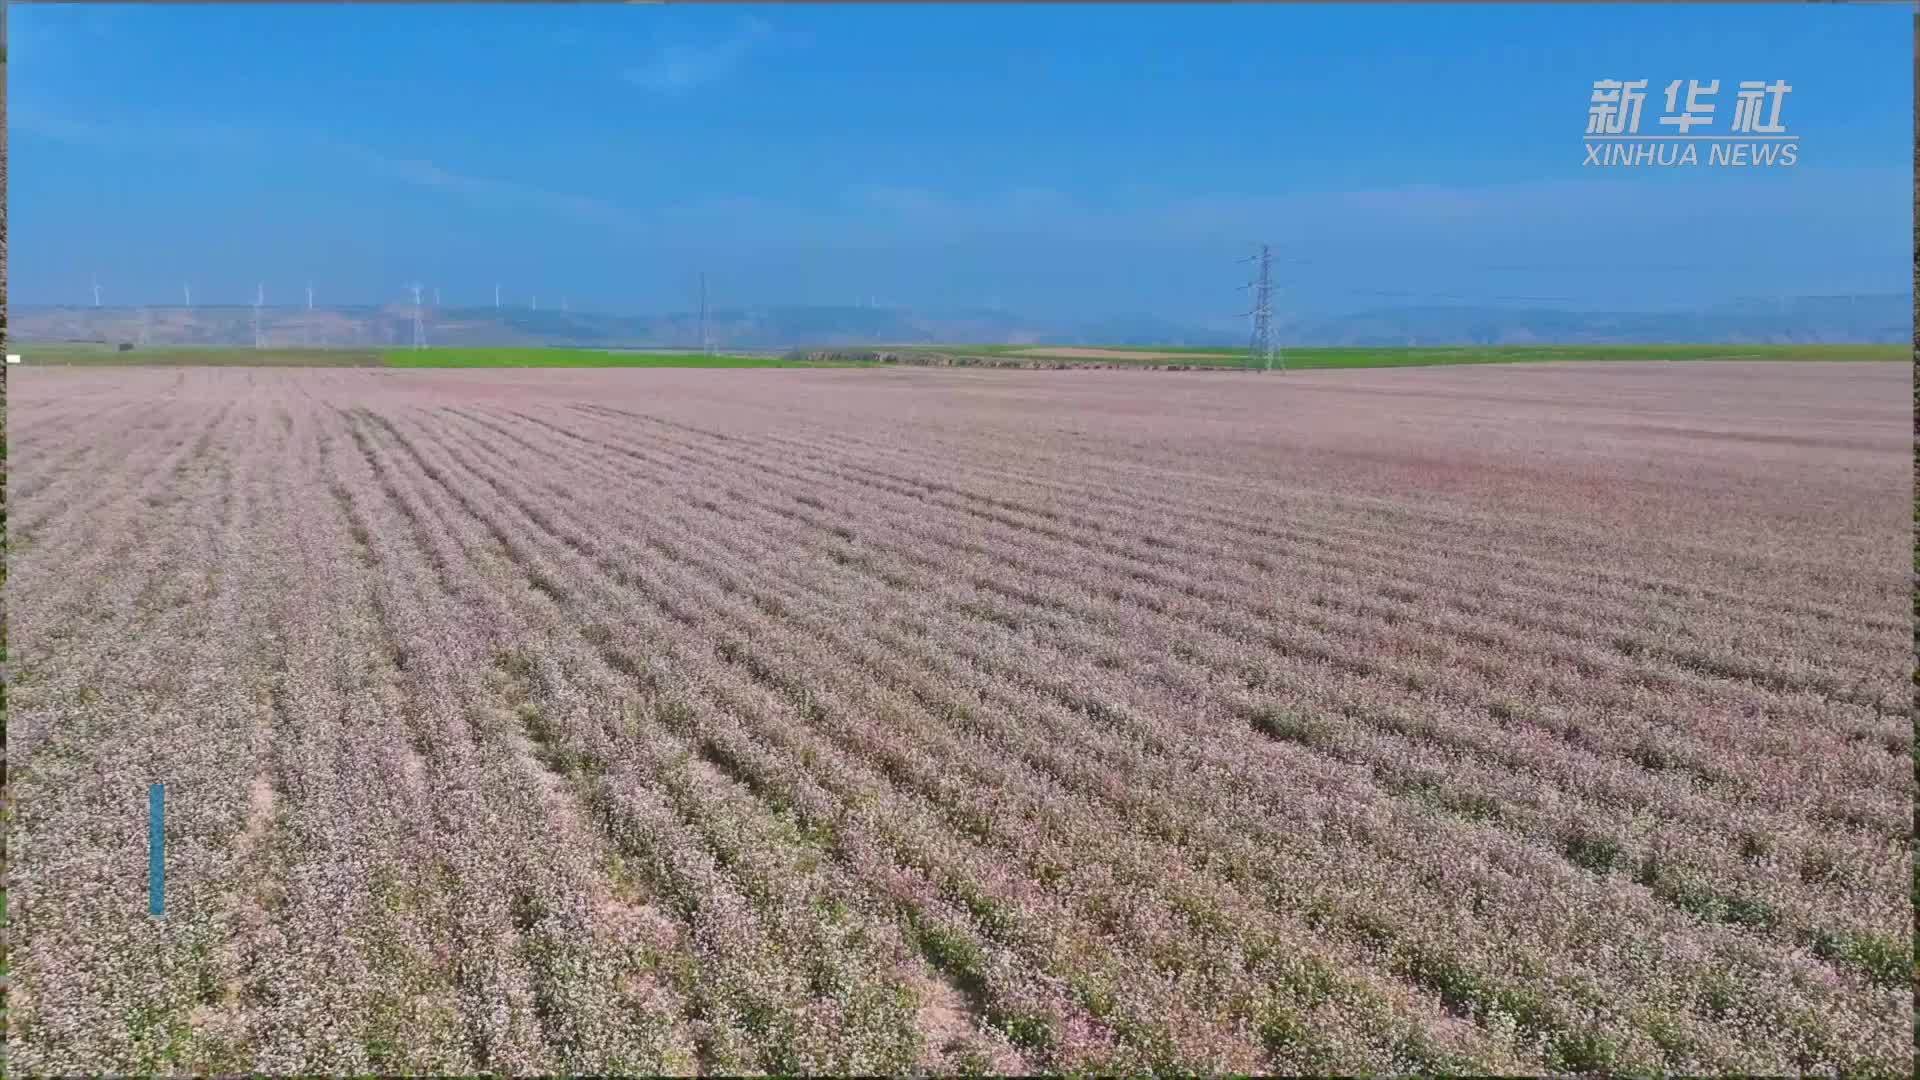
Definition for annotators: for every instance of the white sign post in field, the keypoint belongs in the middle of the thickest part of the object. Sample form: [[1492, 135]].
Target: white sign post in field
[[13, 358]]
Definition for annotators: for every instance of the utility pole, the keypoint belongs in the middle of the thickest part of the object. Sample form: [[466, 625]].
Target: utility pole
[[1260, 348], [496, 296]]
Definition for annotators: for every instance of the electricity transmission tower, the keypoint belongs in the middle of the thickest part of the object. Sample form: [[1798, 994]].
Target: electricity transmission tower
[[496, 296], [96, 290], [1261, 351], [259, 298], [706, 346], [419, 327]]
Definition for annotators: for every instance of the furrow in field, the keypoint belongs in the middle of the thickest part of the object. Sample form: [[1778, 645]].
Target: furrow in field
[[470, 717], [1518, 552], [303, 964], [549, 574], [1178, 643], [1583, 664], [182, 448], [104, 984], [1585, 667], [61, 605], [618, 945], [54, 456], [561, 936], [1145, 545], [904, 721], [1431, 567], [736, 1000], [97, 584], [1524, 555], [1305, 641]]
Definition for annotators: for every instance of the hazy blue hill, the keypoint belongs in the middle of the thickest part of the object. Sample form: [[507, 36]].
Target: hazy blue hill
[[1811, 320]]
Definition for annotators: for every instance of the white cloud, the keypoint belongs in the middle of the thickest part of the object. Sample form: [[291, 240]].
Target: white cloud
[[678, 68]]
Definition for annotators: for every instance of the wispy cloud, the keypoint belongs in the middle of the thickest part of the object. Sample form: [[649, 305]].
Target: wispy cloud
[[151, 135], [487, 190], [47, 120], [677, 68]]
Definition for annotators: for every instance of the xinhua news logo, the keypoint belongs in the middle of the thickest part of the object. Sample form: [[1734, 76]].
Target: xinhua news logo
[[1754, 137]]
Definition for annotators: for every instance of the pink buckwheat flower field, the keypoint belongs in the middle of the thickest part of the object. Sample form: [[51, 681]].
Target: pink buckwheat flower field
[[1490, 719]]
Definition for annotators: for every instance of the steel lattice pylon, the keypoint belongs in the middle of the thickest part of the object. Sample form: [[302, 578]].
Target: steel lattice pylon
[[1261, 352]]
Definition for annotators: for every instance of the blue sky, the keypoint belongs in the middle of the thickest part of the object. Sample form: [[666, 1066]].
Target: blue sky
[[1065, 161]]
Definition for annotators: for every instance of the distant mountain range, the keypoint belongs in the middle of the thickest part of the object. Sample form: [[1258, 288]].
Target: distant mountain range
[[1878, 319], [1886, 318]]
